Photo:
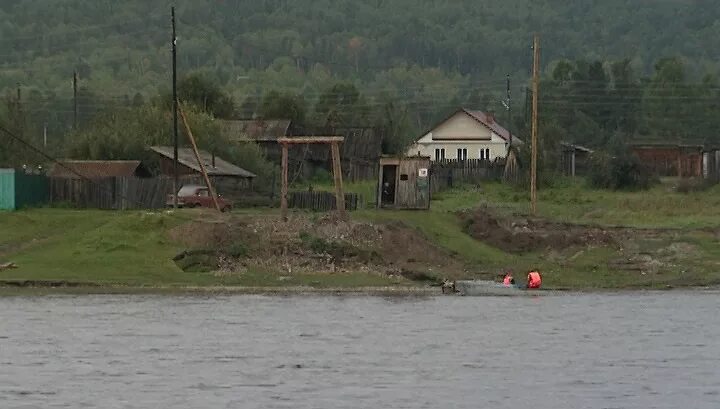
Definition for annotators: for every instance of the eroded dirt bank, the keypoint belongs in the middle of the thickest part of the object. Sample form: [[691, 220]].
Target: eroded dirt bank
[[627, 249], [312, 244]]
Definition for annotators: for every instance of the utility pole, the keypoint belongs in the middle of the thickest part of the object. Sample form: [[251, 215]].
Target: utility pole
[[176, 181], [536, 86], [18, 105], [509, 114], [75, 100]]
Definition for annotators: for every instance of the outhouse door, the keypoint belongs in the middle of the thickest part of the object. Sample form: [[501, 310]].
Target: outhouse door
[[414, 184]]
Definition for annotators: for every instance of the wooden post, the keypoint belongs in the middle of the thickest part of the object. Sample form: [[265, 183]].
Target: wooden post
[[536, 86], [197, 156], [337, 176], [284, 179], [680, 169]]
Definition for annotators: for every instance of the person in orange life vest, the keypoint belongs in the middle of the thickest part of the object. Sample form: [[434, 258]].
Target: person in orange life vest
[[508, 280], [534, 280]]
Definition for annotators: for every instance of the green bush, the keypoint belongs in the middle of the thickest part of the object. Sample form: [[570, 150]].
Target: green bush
[[623, 171], [237, 250], [694, 185]]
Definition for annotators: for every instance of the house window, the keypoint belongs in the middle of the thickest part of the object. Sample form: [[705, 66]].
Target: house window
[[440, 154], [462, 154], [437, 155], [482, 154], [485, 154]]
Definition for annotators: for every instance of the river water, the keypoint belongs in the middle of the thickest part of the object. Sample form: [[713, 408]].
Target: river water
[[640, 350]]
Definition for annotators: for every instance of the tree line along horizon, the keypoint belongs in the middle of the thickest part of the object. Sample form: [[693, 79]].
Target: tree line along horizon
[[400, 66]]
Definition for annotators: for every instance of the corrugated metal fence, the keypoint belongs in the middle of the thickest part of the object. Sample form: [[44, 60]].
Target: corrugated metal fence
[[7, 189], [19, 190]]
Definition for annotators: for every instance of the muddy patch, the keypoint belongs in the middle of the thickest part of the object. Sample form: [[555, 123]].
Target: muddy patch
[[522, 235], [311, 244]]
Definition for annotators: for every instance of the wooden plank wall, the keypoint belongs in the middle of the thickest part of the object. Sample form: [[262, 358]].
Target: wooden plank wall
[[356, 170], [452, 173], [322, 201], [115, 193]]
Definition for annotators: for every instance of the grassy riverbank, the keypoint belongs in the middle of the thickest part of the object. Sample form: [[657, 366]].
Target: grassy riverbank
[[127, 249], [672, 240]]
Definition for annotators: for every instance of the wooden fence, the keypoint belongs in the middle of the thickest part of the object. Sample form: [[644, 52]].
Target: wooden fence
[[322, 201], [356, 170], [450, 173], [119, 193]]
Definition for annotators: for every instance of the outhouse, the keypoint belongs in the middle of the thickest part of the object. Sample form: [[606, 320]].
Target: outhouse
[[404, 183]]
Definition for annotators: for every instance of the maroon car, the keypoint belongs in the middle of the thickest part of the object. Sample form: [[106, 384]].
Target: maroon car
[[197, 196]]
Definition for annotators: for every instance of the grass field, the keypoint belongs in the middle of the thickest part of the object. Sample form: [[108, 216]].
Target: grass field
[[659, 207], [133, 248], [124, 248]]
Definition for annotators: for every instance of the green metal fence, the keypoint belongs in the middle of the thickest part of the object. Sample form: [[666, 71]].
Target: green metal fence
[[18, 190], [31, 190], [7, 189]]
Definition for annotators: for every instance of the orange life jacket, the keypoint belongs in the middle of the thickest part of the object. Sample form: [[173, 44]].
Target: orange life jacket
[[534, 280]]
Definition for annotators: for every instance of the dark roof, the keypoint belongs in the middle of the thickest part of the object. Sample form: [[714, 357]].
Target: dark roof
[[659, 145], [572, 146], [491, 123], [94, 169], [186, 157], [267, 130]]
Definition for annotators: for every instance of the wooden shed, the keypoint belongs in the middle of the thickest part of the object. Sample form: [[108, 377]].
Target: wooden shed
[[711, 163], [671, 159], [574, 160], [404, 183]]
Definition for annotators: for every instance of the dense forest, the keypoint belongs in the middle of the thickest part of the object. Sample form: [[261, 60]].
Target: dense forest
[[612, 69]]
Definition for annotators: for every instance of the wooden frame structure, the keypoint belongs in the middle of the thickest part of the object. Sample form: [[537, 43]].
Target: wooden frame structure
[[334, 142]]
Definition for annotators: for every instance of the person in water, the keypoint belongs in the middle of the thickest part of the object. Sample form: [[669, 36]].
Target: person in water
[[508, 280], [534, 279]]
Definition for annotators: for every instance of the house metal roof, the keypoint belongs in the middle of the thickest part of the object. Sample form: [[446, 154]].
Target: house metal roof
[[487, 120], [186, 157], [491, 123], [93, 169]]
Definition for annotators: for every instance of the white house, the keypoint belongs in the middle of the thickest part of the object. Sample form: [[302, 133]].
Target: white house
[[465, 135]]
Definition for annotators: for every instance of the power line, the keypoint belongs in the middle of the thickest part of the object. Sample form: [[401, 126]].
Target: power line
[[55, 161]]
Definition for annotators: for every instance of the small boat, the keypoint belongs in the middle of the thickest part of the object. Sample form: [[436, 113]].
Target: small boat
[[489, 288]]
